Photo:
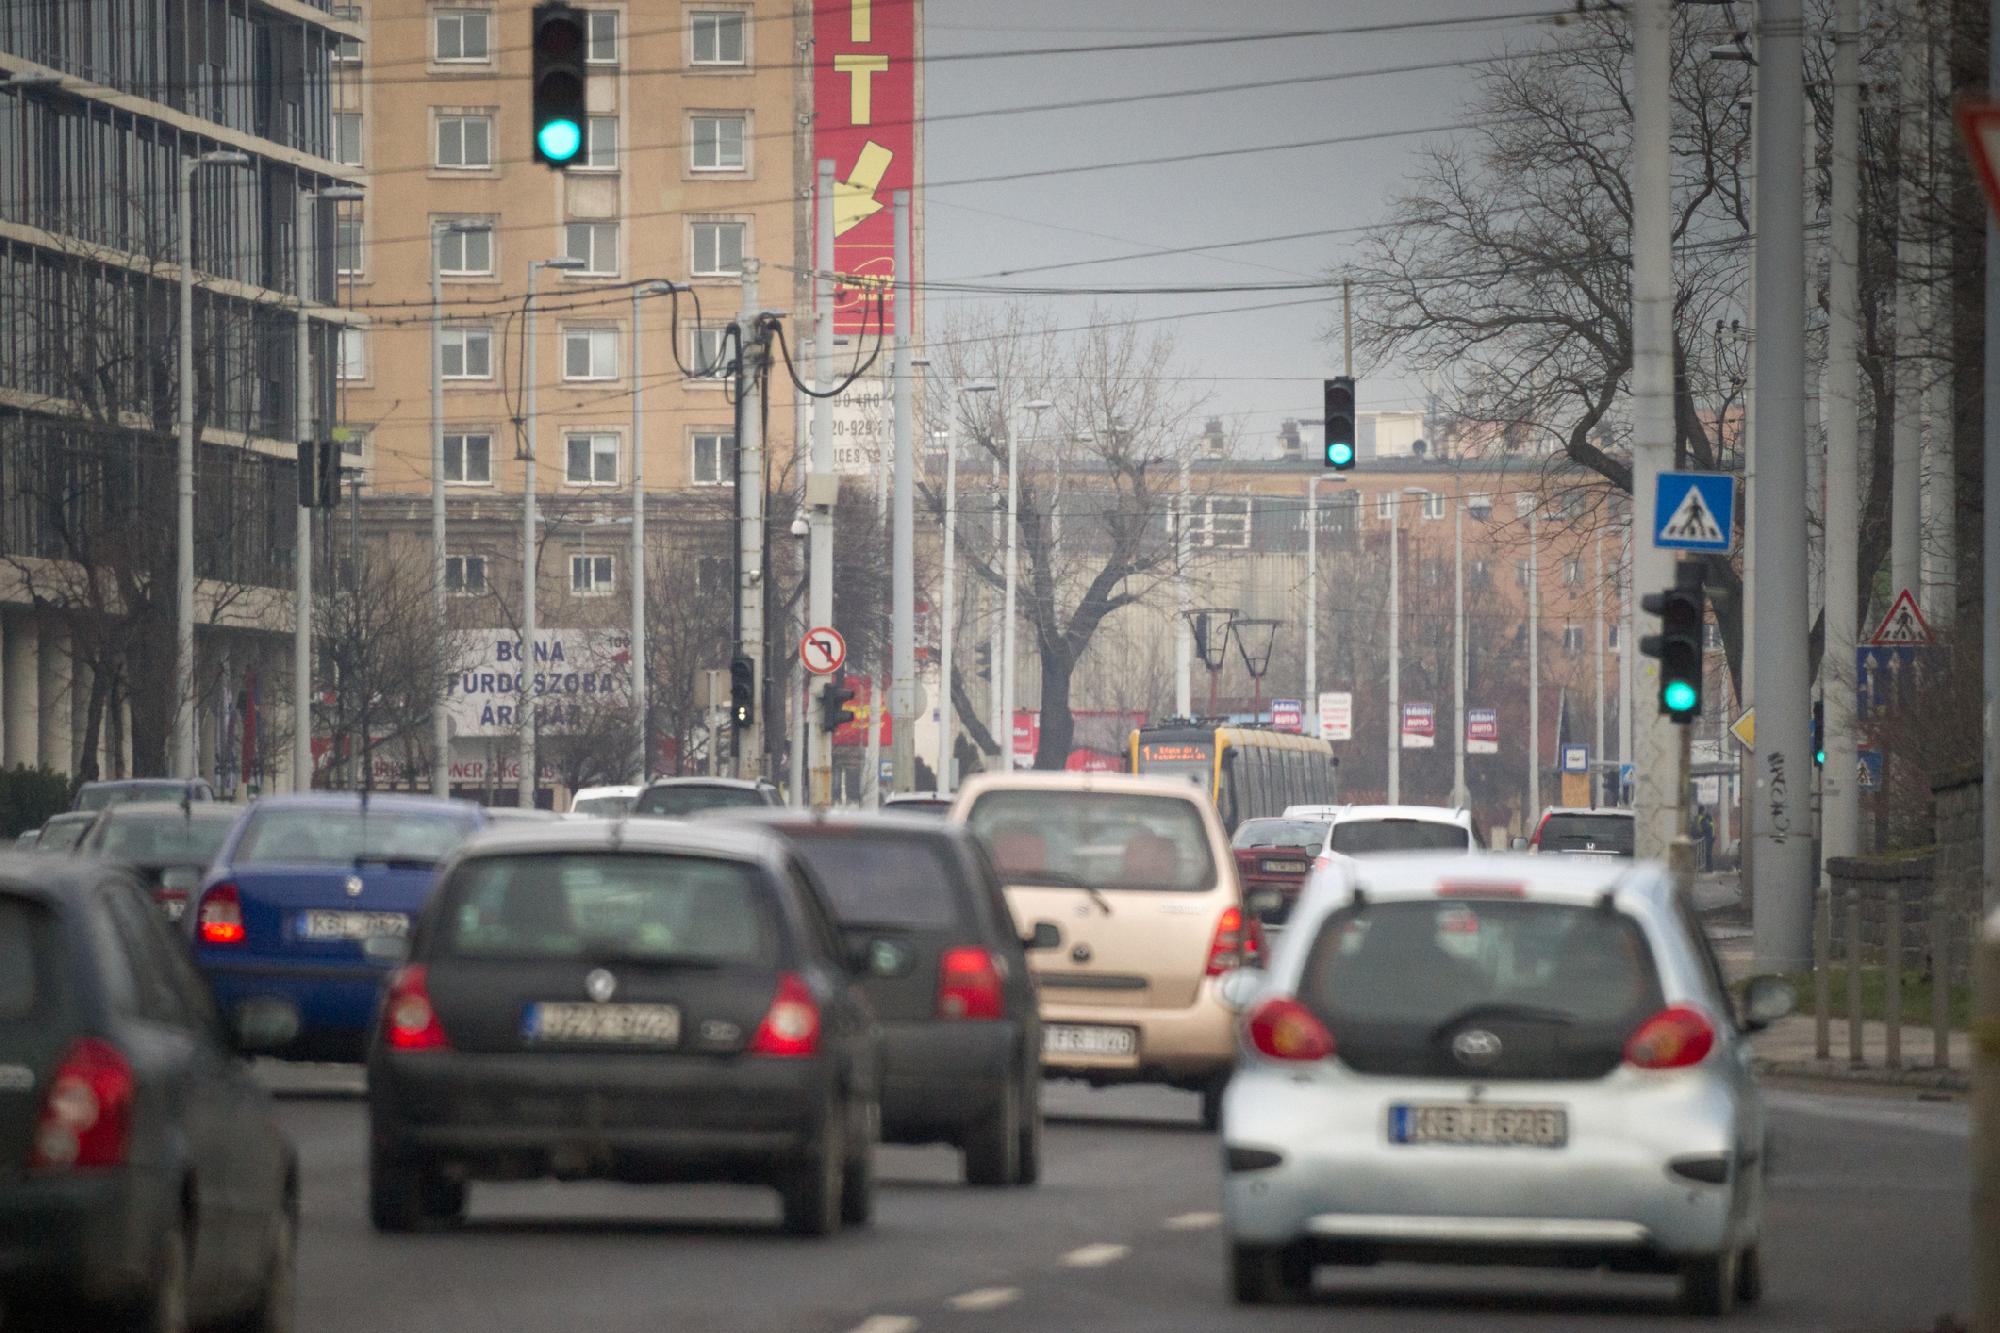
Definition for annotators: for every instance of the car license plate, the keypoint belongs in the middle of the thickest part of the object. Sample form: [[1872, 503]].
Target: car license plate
[[1479, 1125], [1282, 867], [1078, 1039], [352, 925], [637, 1024]]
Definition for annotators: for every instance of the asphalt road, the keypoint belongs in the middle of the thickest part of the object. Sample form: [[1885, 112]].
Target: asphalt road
[[1867, 1231]]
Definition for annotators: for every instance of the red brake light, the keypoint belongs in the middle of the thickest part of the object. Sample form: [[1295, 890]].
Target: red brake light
[[1231, 944], [1468, 888], [1284, 1029], [1322, 861], [791, 1027], [86, 1118], [968, 985], [1674, 1038], [409, 1023], [221, 917]]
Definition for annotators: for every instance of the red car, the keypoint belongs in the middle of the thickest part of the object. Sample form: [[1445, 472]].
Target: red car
[[1273, 858]]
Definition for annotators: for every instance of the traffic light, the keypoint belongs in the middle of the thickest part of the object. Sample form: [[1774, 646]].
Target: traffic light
[[1340, 423], [834, 697], [742, 691], [982, 658], [559, 73], [1678, 644], [1819, 733]]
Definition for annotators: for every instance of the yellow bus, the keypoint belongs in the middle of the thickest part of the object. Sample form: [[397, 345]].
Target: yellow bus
[[1249, 773]]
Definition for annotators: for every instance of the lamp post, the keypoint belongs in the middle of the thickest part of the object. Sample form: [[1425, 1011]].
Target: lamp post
[[949, 609], [440, 718], [184, 709], [1254, 640], [641, 686], [1211, 643], [1461, 796], [1311, 702], [1003, 736], [1009, 694]]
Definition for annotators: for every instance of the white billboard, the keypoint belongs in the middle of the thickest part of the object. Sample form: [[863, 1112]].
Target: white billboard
[[861, 424], [574, 670]]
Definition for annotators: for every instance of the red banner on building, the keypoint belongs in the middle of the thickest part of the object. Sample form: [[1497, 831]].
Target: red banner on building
[[865, 105], [860, 709]]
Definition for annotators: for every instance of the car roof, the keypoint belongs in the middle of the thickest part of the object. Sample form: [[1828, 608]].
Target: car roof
[[215, 810], [624, 789], [1424, 814], [1619, 811], [743, 784], [348, 800], [736, 839], [74, 817], [1575, 880], [136, 784], [787, 820], [50, 879], [1123, 783]]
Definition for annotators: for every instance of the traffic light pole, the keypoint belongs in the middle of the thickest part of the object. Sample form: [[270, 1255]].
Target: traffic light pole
[[819, 593], [903, 579], [750, 356]]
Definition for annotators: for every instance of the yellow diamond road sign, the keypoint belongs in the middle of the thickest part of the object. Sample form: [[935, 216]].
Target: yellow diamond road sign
[[1744, 729]]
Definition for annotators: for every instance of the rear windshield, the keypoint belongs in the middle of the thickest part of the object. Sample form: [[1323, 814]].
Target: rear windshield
[[649, 907], [25, 941], [1304, 834], [1095, 839], [1604, 835], [344, 837], [162, 839], [61, 836], [604, 807], [679, 802], [1369, 837], [1561, 985], [883, 881]]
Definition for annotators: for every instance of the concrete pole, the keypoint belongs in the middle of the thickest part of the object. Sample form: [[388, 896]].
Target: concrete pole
[[1395, 795], [998, 722], [440, 717], [819, 591], [1940, 596], [1627, 619], [948, 631], [1597, 667], [1183, 600], [1907, 471], [1782, 883], [183, 682], [1008, 645], [1655, 747], [1986, 975], [1309, 700], [525, 781], [1533, 808], [302, 430], [903, 572], [750, 518], [642, 695], [1461, 795]]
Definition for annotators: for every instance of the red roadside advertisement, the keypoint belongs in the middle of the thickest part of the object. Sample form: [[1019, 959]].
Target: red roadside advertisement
[[865, 105]]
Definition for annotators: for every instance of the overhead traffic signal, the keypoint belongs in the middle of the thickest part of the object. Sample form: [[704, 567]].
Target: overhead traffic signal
[[834, 696], [1340, 423], [559, 73], [1678, 644], [1819, 733], [742, 691]]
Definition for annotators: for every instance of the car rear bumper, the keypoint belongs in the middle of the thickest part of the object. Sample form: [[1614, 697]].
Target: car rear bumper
[[939, 1078], [86, 1237], [1174, 1045], [335, 1002]]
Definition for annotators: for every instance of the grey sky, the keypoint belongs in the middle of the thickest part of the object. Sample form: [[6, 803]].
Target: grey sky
[[1266, 364]]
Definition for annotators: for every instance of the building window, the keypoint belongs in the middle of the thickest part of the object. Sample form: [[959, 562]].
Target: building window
[[601, 144], [461, 36], [713, 575], [707, 352], [718, 39], [718, 143], [466, 253], [591, 575], [468, 354], [1223, 520], [468, 459], [1478, 574], [347, 247], [714, 458], [1611, 636], [347, 50], [1434, 573], [1385, 506], [602, 47], [590, 354], [595, 243], [1434, 505], [353, 354], [465, 575], [1573, 573], [465, 142], [1524, 505], [718, 249], [1572, 638], [347, 138], [592, 459]]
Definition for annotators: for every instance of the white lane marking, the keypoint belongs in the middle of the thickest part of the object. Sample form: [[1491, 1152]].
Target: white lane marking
[[1194, 1221], [886, 1323], [1095, 1256], [985, 1298]]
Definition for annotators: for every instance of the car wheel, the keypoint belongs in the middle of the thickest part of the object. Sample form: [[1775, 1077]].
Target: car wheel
[[408, 1194], [1708, 1285], [993, 1148], [1029, 1169], [857, 1178], [1749, 1277], [1270, 1274], [811, 1192], [164, 1307], [277, 1302], [1211, 1102]]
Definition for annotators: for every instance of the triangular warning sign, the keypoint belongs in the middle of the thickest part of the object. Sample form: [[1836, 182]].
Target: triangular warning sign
[[1691, 520], [1903, 627]]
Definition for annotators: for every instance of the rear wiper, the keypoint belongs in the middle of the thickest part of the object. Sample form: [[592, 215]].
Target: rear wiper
[[1056, 879], [1529, 1013]]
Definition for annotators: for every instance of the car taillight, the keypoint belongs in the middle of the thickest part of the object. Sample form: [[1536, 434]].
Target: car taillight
[[409, 1022], [791, 1027], [1284, 1029], [1322, 861], [1230, 944], [968, 985], [220, 920], [86, 1118], [1674, 1038], [172, 901]]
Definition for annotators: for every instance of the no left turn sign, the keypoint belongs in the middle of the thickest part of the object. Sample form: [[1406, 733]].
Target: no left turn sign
[[822, 651]]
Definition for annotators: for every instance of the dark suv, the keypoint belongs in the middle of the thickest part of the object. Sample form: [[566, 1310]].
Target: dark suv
[[643, 1001], [961, 1039]]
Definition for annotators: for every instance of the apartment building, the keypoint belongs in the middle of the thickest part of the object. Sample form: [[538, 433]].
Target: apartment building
[[108, 108]]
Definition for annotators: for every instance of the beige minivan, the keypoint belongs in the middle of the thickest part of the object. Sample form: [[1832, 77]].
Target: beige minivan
[[1136, 877]]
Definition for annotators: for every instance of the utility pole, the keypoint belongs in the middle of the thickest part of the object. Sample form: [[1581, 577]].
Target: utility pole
[[948, 628], [902, 544], [302, 429], [525, 780], [642, 693], [820, 506], [1906, 537], [1183, 599], [1461, 796], [1309, 700], [1986, 975], [1597, 664], [1655, 752], [1534, 801], [750, 357], [1940, 598], [1395, 651], [1782, 883], [1627, 623], [440, 596]]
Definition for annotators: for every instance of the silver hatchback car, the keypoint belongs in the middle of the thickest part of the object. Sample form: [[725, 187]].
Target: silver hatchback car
[[1500, 1059]]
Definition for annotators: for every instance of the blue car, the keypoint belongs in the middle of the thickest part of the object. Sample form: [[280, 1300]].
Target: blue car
[[300, 886]]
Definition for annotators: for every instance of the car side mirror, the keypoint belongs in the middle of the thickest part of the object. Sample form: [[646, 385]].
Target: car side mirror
[[1767, 999], [390, 949], [261, 1026], [1045, 935], [1518, 844], [1239, 987]]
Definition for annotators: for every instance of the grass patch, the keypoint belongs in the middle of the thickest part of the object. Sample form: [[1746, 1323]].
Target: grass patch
[[1916, 997]]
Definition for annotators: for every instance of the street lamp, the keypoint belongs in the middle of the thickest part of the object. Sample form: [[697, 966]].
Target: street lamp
[[1035, 406], [1254, 640], [1003, 734], [1212, 642], [440, 598], [642, 687], [184, 756], [529, 629], [1311, 701], [1396, 644], [947, 714]]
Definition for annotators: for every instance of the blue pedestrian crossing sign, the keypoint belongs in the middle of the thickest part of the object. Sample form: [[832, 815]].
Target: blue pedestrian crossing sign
[[1694, 511]]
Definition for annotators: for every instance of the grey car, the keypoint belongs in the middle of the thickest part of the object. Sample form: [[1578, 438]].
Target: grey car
[[1496, 1059]]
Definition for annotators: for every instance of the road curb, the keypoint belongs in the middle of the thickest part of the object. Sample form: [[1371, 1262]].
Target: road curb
[[1837, 1074]]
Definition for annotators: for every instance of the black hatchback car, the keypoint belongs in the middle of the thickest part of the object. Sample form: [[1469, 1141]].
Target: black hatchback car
[[949, 980], [634, 1000], [144, 1183]]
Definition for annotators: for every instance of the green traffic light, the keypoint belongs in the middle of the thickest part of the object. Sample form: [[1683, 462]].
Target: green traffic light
[[1679, 696], [560, 140], [1340, 454]]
